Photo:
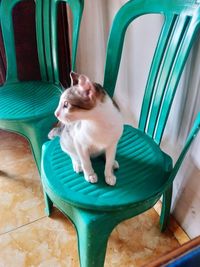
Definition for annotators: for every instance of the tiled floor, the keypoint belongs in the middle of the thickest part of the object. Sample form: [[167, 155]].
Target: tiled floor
[[29, 238]]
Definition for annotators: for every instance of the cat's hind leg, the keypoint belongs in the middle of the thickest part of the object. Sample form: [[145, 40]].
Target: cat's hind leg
[[53, 133], [115, 164]]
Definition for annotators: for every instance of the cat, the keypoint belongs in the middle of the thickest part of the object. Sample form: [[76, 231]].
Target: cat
[[90, 124]]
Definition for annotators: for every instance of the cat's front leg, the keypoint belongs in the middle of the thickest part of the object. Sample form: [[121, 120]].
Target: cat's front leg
[[86, 164], [76, 165], [110, 165], [68, 147]]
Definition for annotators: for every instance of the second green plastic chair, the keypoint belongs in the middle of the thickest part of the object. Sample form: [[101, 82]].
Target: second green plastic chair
[[27, 107]]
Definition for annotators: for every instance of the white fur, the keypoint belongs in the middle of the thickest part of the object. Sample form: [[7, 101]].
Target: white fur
[[96, 131], [88, 133]]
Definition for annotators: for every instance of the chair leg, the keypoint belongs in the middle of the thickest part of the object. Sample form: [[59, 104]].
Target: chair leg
[[36, 148], [166, 205], [35, 131], [48, 204], [92, 240], [37, 134]]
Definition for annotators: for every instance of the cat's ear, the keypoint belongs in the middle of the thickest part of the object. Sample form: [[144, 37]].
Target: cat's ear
[[86, 86], [84, 82], [74, 78]]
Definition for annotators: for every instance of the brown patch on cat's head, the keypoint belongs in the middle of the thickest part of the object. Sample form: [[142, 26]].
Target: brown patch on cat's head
[[100, 92], [83, 94], [82, 97]]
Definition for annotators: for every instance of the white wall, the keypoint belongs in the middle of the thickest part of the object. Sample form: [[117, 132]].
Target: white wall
[[132, 77], [187, 198]]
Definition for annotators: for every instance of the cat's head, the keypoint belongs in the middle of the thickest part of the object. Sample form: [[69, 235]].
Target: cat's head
[[78, 101]]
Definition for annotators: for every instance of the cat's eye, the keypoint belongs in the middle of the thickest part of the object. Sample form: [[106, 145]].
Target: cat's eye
[[65, 104]]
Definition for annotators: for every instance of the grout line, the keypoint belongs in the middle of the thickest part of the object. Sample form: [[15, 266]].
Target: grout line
[[21, 226], [174, 227]]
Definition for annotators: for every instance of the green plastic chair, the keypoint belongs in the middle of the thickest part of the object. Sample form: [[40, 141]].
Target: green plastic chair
[[27, 107], [146, 173]]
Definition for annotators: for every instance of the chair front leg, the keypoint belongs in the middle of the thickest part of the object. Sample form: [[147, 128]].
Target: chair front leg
[[92, 239]]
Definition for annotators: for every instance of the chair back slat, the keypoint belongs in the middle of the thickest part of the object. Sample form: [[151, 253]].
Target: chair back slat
[[6, 11], [77, 8], [48, 66], [164, 36], [162, 86], [181, 23], [46, 35], [174, 77], [41, 41]]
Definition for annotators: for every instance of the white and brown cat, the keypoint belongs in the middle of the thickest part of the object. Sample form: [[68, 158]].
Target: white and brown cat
[[90, 124]]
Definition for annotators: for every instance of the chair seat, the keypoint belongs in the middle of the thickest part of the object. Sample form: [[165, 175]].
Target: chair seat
[[28, 100], [144, 169]]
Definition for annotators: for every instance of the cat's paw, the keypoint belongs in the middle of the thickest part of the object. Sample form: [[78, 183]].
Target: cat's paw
[[111, 179], [91, 178], [77, 167], [115, 165], [51, 134]]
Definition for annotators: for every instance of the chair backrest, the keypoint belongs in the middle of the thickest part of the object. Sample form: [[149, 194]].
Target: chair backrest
[[180, 26], [46, 34], [46, 27]]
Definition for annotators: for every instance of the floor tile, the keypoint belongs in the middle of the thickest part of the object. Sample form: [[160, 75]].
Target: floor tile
[[21, 196], [52, 242], [138, 241], [28, 238]]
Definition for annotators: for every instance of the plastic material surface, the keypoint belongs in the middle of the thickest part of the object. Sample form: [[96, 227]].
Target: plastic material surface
[[29, 101], [181, 24], [145, 173], [28, 107], [144, 168]]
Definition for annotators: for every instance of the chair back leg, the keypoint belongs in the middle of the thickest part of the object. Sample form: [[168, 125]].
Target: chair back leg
[[48, 204], [166, 205]]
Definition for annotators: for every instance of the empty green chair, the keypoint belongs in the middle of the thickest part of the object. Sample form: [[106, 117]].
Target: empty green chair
[[27, 107], [146, 172]]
